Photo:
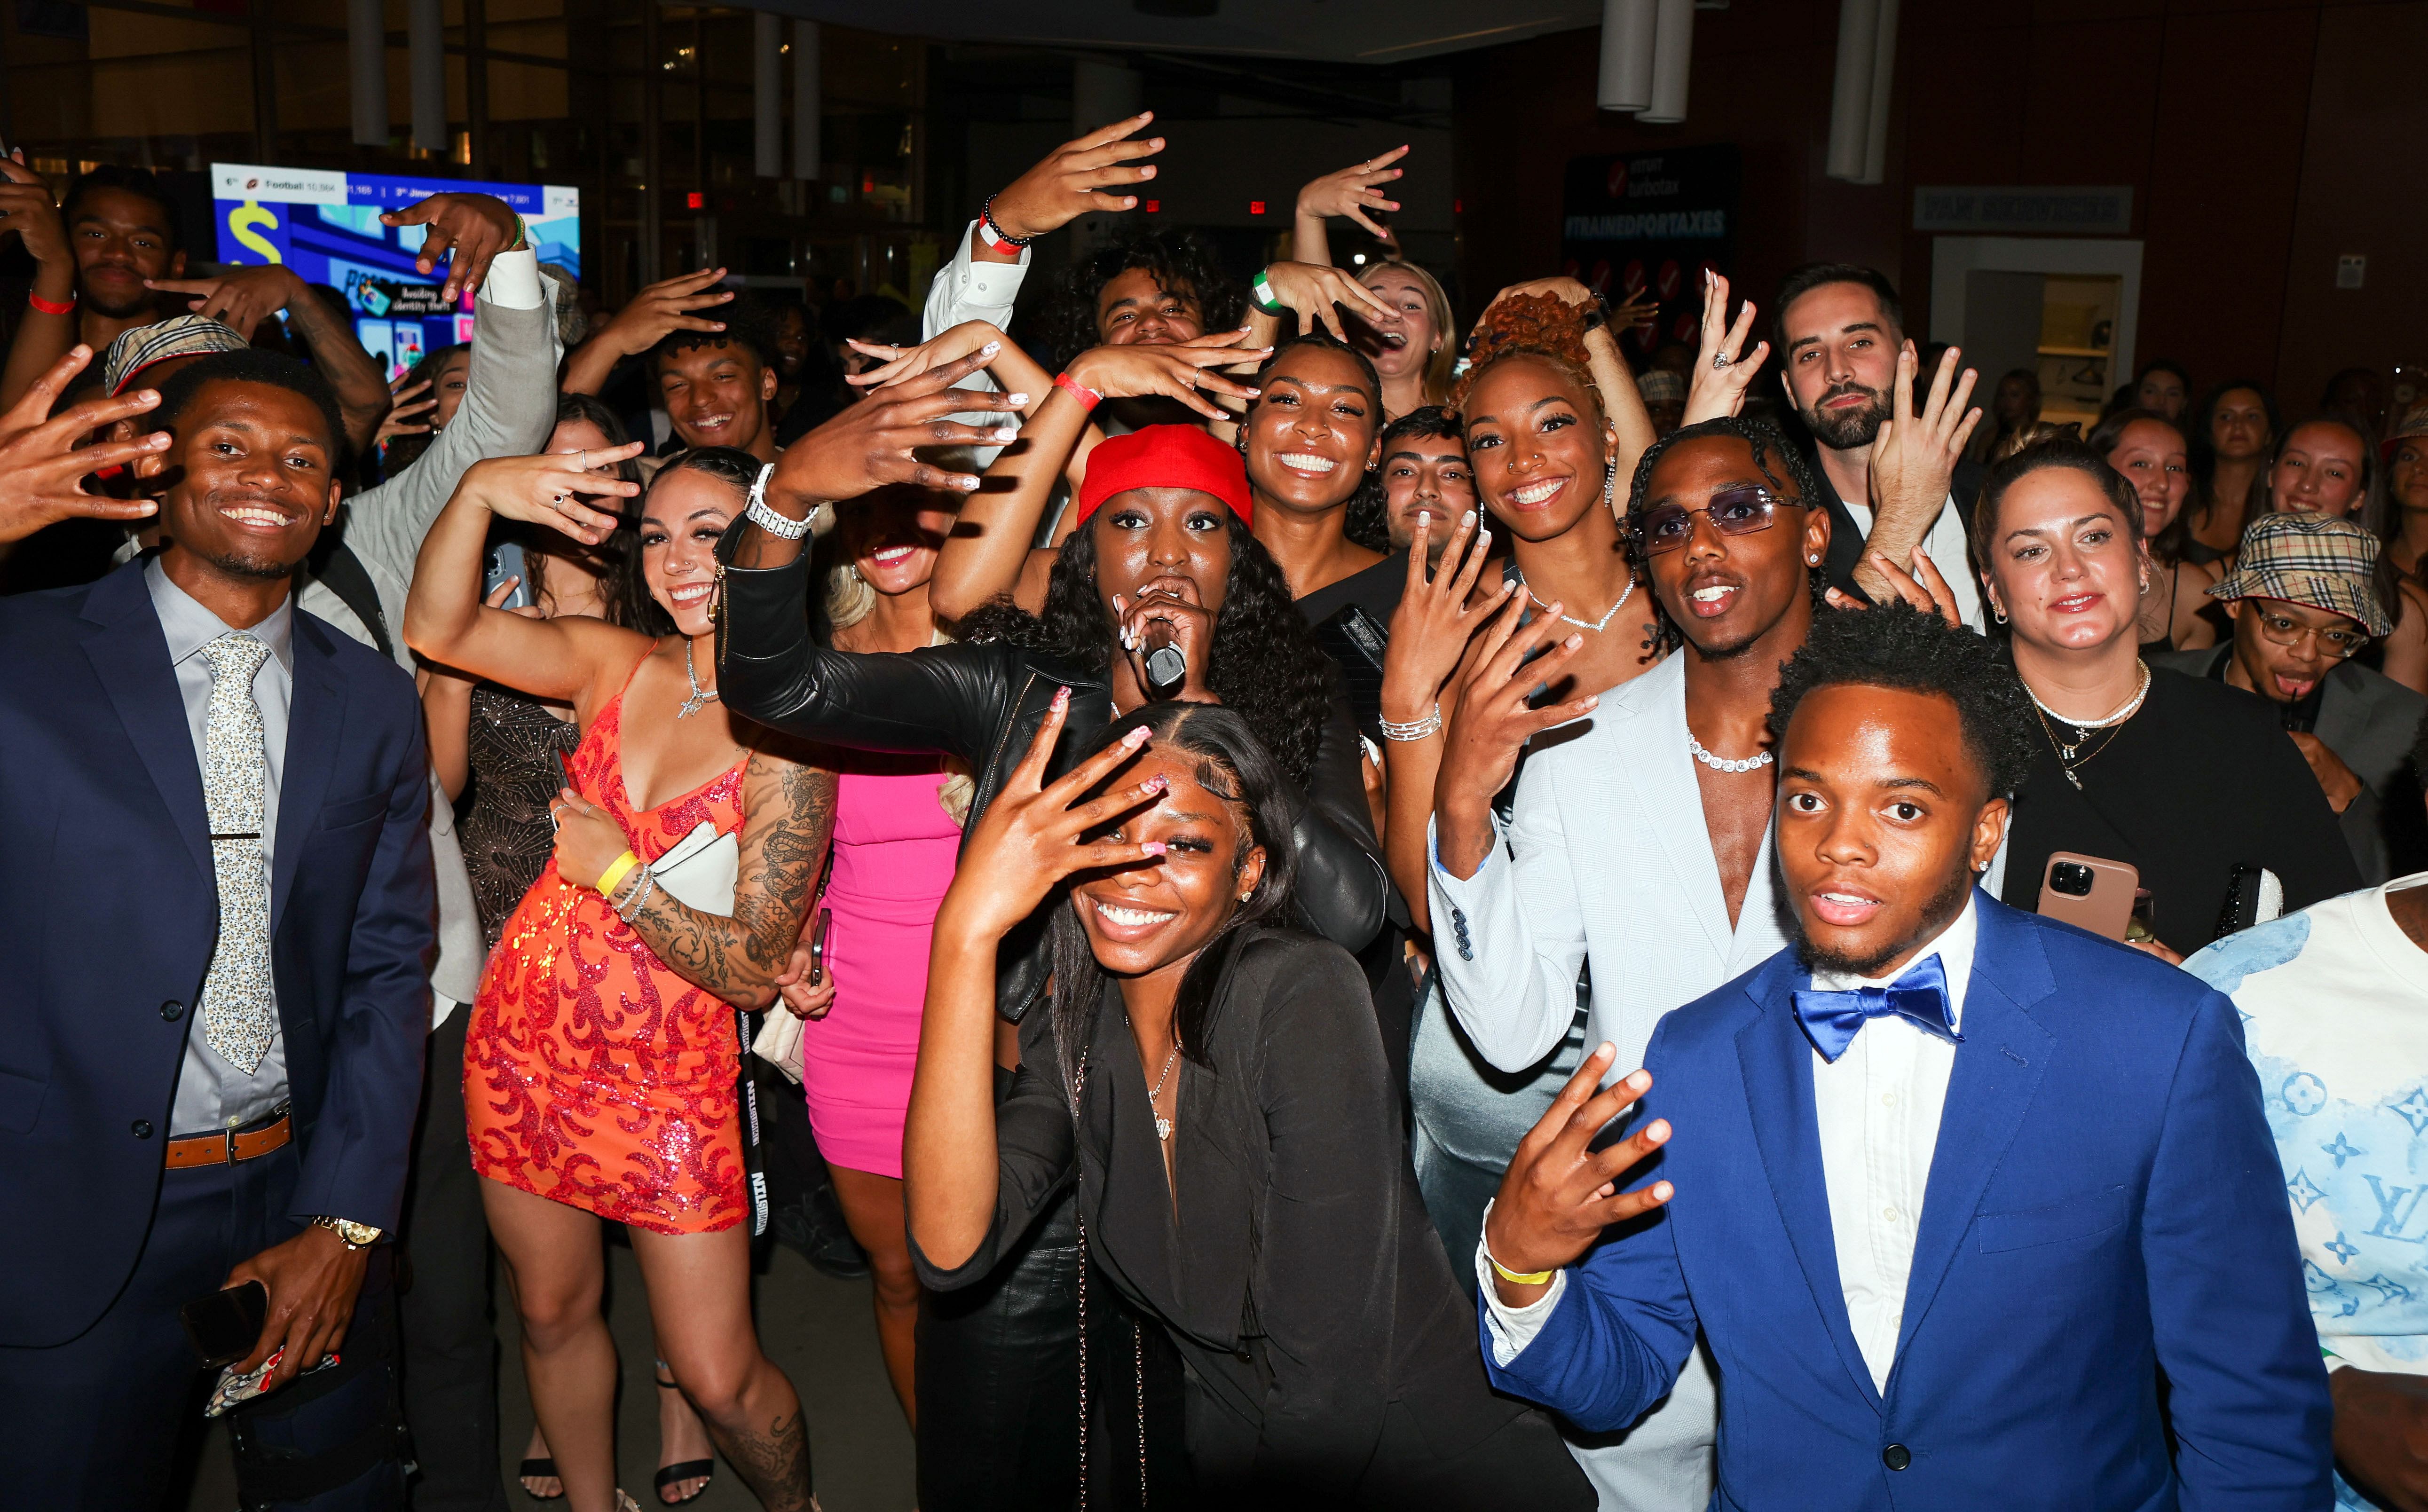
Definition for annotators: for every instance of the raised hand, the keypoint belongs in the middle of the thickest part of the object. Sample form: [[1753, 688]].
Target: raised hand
[[1914, 461], [1436, 617], [1035, 833], [1185, 371], [1191, 628], [1723, 368], [1073, 179], [1311, 290], [42, 467], [664, 308], [549, 489], [239, 298], [411, 400], [1639, 310], [1491, 719], [871, 444], [25, 208], [1352, 191], [894, 364], [474, 228], [1558, 1193]]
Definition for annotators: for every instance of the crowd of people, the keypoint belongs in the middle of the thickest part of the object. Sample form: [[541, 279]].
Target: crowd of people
[[1338, 905]]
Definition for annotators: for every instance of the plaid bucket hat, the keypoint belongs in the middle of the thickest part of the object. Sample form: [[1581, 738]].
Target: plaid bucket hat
[[179, 335], [2317, 560]]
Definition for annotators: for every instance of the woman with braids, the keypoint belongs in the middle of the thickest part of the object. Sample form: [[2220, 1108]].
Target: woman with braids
[[1161, 569], [1205, 1078], [602, 1057]]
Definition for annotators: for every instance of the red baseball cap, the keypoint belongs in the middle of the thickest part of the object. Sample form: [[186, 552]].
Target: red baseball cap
[[1165, 457]]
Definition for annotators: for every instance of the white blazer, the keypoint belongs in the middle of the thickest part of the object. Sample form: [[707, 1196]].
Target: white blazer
[[1607, 862]]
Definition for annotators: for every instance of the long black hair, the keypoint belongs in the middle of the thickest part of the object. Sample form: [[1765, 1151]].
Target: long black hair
[[1367, 521], [1234, 765], [2200, 432], [1264, 663], [730, 466]]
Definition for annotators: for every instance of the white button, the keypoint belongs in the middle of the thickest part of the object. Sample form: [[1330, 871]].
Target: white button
[[1888, 1099], [1892, 1215]]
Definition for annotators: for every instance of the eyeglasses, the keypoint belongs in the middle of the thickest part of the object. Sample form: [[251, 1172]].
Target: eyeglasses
[[2287, 630], [1738, 511]]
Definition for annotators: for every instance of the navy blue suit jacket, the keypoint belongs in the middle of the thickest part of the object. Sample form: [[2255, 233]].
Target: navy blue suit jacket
[[2105, 1205], [108, 890]]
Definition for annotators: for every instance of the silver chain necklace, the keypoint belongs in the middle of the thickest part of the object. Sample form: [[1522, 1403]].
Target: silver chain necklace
[[1163, 1125], [1594, 625], [1722, 763], [700, 698]]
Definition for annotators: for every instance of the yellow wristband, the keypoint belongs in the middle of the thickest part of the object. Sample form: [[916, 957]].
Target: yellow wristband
[[621, 868], [1530, 1278]]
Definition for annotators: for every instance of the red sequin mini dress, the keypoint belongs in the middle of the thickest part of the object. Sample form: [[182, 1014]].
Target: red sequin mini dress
[[593, 1074]]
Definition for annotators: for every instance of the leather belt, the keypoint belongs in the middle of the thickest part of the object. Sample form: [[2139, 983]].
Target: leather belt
[[226, 1149]]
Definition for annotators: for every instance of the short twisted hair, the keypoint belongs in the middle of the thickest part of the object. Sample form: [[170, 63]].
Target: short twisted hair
[[1901, 647]]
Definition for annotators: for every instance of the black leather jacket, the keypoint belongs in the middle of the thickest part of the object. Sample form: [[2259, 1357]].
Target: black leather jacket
[[983, 704]]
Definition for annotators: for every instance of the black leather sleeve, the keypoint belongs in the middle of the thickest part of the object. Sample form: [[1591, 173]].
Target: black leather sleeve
[[1341, 885], [946, 699]]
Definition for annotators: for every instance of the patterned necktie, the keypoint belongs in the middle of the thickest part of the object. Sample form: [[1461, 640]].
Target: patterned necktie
[[239, 1014], [1831, 1020]]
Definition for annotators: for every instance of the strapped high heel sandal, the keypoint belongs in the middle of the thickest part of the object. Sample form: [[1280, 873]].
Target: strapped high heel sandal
[[704, 1471]]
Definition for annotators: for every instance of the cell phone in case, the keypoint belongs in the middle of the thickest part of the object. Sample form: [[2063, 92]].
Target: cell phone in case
[[818, 947], [2088, 893]]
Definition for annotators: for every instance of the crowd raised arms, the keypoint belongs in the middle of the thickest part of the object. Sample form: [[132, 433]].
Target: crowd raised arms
[[1411, 879]]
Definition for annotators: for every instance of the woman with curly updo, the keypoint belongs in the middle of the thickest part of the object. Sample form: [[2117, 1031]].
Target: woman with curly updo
[[1162, 592]]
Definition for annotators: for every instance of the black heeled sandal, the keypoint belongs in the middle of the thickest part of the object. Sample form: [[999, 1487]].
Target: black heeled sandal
[[704, 1471]]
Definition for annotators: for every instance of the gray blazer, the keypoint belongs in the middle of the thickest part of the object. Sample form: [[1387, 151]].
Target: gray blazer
[[2369, 721]]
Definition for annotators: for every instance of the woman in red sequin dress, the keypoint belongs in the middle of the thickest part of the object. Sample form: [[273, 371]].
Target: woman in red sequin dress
[[601, 1061]]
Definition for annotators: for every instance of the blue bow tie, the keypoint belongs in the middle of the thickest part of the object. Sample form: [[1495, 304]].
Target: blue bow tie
[[1830, 1020]]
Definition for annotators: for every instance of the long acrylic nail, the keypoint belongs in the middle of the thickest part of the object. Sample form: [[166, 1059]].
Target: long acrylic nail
[[1062, 700], [1136, 736], [1151, 848], [1020, 400]]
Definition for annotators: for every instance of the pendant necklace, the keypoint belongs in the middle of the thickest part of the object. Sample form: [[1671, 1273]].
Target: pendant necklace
[[2069, 757], [1163, 1125], [1594, 625], [700, 698]]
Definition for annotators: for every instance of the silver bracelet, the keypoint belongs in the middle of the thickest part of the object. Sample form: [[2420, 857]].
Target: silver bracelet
[[1414, 729], [631, 908], [768, 519]]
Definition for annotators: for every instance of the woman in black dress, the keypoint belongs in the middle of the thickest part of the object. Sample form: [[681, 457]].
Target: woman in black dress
[[1212, 1081], [2181, 777]]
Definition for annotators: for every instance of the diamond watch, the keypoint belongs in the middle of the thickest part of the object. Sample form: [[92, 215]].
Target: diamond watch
[[352, 1235]]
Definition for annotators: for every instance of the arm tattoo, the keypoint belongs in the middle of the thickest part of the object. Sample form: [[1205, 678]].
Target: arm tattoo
[[788, 819]]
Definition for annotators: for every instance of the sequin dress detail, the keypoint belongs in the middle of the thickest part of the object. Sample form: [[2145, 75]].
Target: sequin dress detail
[[594, 1075], [516, 750]]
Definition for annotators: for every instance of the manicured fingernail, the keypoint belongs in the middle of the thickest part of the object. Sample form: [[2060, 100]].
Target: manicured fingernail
[[1467, 519], [1007, 433], [1658, 1131], [1254, 392], [969, 484], [1573, 642], [1424, 519], [989, 348], [1062, 700], [1136, 736], [1636, 1080], [1157, 783], [1662, 1191], [1017, 398], [1151, 848]]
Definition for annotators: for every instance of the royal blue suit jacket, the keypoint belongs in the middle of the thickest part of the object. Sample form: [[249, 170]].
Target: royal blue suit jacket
[[2104, 1208], [108, 895]]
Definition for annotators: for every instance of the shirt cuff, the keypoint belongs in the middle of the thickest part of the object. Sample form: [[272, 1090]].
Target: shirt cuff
[[1441, 873], [441, 1006], [982, 283], [513, 283], [1513, 1328]]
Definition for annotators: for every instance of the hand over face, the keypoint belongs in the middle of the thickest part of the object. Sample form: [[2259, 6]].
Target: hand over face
[[552, 489], [42, 468], [313, 1280]]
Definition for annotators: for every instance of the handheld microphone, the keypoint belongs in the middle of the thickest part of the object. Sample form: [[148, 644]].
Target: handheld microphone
[[1167, 665]]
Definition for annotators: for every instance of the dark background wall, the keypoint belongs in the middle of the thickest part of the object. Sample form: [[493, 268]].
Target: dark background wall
[[2237, 122]]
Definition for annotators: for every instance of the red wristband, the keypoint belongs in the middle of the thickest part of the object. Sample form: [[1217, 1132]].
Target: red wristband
[[50, 306], [1085, 395]]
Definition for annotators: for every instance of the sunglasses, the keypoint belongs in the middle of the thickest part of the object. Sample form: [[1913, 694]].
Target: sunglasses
[[1738, 511]]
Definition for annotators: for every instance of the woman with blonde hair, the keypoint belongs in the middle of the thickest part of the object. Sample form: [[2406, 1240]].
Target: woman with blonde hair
[[1414, 346]]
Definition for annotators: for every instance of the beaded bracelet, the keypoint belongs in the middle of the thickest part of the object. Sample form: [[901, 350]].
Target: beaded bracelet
[[993, 235], [1413, 729], [631, 908]]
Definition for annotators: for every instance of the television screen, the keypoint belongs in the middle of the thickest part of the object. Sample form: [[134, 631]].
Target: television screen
[[326, 226]]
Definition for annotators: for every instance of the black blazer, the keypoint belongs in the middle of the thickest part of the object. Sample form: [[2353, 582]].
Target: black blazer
[[1301, 1278], [983, 704], [113, 910]]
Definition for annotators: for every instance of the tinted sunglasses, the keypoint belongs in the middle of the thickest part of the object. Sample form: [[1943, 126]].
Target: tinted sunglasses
[[1738, 511]]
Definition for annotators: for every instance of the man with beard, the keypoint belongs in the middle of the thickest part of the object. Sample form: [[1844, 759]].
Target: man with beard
[[1973, 1208], [212, 1050], [1838, 330]]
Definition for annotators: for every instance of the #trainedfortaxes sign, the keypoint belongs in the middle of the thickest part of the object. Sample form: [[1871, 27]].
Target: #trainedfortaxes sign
[[1654, 222]]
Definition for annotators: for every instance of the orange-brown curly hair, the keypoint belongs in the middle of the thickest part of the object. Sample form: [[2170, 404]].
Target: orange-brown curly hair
[[1543, 327]]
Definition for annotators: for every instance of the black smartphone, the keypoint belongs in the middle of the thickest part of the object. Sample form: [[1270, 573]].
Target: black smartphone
[[225, 1325], [819, 946]]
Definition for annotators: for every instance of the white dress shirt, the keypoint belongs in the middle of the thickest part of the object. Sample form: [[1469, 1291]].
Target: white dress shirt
[[969, 288], [1877, 1107]]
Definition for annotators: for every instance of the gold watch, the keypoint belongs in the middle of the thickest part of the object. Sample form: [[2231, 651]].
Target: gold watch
[[352, 1235]]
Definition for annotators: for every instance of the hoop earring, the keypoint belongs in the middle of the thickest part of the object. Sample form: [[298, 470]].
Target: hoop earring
[[1998, 613]]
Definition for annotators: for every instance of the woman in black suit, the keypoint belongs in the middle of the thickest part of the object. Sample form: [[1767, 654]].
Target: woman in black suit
[[1214, 1083]]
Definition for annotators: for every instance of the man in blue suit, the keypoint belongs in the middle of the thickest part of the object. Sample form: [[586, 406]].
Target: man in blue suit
[[1975, 1209], [220, 907]]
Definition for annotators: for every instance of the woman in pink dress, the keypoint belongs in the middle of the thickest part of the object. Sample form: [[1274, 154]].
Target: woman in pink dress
[[898, 828]]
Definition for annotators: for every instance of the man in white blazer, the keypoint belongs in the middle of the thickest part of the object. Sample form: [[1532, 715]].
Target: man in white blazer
[[1639, 844]]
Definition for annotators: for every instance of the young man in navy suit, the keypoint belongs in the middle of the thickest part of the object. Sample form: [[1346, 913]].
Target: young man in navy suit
[[221, 911], [1950, 1190]]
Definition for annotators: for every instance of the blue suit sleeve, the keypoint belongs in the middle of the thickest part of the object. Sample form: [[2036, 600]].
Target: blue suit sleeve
[[2248, 1394], [355, 1165], [1624, 1325]]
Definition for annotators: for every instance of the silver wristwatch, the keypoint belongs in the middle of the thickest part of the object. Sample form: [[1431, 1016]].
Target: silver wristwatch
[[768, 519]]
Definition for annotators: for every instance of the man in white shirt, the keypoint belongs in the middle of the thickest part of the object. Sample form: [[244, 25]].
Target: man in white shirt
[[1838, 329], [1954, 1188]]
